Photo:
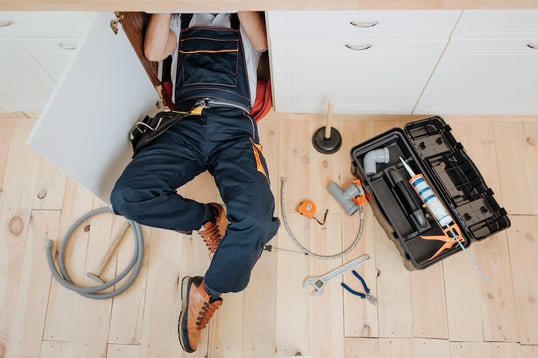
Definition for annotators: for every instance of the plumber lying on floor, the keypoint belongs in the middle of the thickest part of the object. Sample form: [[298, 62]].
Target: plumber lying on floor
[[215, 57]]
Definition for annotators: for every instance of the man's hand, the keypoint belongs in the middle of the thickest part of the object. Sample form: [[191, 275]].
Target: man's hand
[[254, 26], [160, 41]]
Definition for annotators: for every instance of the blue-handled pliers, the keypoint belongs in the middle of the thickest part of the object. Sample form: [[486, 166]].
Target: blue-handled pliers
[[367, 293]]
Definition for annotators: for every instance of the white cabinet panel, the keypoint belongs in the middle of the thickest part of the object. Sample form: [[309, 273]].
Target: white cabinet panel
[[497, 24], [484, 77], [23, 85], [363, 61], [406, 24], [53, 55], [44, 23], [36, 47], [489, 67], [386, 76], [84, 128]]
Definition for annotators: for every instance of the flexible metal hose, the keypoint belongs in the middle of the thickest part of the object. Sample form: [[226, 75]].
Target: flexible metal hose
[[304, 249], [63, 278]]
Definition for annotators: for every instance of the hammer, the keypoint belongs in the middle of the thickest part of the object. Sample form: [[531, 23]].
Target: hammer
[[96, 275]]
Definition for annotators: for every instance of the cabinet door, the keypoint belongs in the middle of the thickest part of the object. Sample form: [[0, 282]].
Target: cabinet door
[[359, 76], [84, 127], [52, 54], [23, 85], [484, 77]]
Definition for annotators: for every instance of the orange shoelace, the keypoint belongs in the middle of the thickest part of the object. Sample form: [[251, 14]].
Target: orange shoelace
[[207, 311], [211, 237]]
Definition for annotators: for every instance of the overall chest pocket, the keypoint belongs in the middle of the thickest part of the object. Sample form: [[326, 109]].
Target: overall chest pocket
[[209, 61]]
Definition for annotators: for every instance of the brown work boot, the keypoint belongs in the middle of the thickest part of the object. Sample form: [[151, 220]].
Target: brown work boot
[[213, 231], [196, 310]]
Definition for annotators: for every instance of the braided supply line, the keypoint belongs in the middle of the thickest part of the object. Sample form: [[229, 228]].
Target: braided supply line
[[304, 249]]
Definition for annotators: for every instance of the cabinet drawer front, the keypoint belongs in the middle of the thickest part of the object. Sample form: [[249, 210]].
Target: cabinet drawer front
[[382, 76], [338, 24], [498, 24], [52, 54], [44, 24], [23, 85]]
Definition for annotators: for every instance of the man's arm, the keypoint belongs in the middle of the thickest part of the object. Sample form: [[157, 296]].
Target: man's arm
[[254, 26], [160, 41]]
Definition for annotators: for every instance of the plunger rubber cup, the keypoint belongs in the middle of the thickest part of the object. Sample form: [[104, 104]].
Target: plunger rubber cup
[[327, 145]]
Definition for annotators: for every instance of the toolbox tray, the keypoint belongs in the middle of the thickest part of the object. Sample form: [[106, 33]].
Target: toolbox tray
[[429, 147]]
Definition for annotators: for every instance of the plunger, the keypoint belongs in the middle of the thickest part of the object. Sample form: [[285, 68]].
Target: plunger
[[327, 140]]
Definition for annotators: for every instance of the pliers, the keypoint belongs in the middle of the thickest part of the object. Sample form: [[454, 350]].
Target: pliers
[[366, 294]]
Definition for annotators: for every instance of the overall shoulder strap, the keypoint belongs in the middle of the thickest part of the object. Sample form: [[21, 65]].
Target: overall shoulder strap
[[185, 20], [234, 21]]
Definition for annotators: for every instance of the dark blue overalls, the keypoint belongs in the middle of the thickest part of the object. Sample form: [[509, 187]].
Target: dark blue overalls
[[224, 141]]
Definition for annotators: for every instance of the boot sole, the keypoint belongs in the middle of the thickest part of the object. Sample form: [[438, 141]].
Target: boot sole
[[182, 321]]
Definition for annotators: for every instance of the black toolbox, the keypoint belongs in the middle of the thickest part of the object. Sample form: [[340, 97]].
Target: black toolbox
[[429, 148]]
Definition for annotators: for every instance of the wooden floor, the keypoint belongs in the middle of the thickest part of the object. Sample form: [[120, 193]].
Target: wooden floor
[[444, 311]]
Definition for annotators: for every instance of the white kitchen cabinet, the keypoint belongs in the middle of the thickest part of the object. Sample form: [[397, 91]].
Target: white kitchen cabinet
[[23, 84], [35, 48], [364, 62], [84, 127], [489, 67]]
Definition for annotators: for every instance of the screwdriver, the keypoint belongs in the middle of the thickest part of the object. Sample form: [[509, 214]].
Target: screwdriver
[[270, 248]]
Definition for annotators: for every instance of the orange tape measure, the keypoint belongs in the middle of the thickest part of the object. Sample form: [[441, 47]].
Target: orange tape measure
[[308, 208]]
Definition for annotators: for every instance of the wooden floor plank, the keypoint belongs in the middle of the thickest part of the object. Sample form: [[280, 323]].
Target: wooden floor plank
[[504, 349], [63, 308], [428, 302], [26, 334], [469, 350], [18, 183], [7, 126], [395, 347], [259, 306], [127, 315], [293, 318], [499, 307], [523, 245], [294, 162], [426, 348], [361, 347], [122, 350], [57, 349], [515, 177], [528, 351], [531, 139], [226, 331], [167, 253], [326, 323], [360, 316], [50, 187], [463, 298]]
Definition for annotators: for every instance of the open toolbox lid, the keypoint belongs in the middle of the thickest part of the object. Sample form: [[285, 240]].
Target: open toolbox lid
[[429, 148]]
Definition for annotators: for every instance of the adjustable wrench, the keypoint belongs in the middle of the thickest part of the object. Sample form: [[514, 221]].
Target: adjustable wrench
[[319, 282]]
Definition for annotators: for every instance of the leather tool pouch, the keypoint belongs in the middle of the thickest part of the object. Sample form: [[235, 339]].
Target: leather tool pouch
[[144, 132]]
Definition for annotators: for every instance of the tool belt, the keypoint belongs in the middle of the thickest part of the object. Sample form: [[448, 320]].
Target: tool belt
[[147, 130]]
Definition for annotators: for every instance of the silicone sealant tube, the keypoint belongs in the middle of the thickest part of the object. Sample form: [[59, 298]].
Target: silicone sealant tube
[[431, 200]]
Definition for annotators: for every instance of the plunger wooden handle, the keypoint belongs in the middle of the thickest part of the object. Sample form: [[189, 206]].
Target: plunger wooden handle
[[328, 120]]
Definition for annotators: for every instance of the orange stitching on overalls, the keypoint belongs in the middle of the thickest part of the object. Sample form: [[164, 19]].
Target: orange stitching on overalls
[[256, 150]]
